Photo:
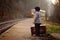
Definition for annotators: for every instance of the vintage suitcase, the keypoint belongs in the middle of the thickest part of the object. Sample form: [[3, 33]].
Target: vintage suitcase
[[42, 29]]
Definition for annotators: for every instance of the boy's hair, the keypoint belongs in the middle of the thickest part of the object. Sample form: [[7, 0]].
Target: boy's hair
[[37, 8]]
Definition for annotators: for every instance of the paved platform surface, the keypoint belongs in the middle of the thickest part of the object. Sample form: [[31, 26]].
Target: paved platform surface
[[56, 35], [20, 31]]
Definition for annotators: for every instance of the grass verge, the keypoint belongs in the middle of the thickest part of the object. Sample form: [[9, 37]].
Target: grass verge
[[52, 28]]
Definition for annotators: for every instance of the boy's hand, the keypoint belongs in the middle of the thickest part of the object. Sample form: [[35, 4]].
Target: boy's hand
[[32, 14]]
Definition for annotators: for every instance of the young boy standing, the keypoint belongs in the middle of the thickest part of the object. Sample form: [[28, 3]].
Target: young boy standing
[[37, 20]]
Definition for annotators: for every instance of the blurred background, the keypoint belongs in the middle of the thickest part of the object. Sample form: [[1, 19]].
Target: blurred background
[[16, 9]]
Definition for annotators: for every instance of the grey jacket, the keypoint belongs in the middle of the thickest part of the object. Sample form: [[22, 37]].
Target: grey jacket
[[37, 17]]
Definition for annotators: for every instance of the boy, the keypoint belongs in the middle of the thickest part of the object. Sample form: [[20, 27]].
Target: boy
[[37, 20]]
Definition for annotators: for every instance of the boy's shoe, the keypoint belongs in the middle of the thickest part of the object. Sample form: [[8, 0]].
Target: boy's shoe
[[37, 35]]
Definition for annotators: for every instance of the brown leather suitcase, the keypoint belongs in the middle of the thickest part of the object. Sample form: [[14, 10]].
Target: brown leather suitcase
[[42, 30], [32, 30]]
